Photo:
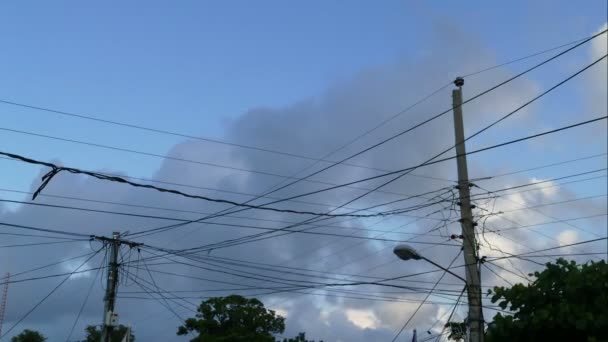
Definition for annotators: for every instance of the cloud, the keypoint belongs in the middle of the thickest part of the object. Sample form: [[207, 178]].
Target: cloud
[[595, 84], [567, 237], [310, 127], [363, 319]]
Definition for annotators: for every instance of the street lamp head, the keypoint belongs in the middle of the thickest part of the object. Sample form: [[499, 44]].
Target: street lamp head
[[405, 252]]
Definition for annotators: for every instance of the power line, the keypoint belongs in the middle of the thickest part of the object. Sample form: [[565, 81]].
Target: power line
[[534, 208], [49, 276], [184, 160], [162, 296], [186, 211], [549, 222], [121, 180], [232, 191], [47, 296], [20, 226], [531, 184], [539, 182], [159, 208], [400, 212], [283, 221], [52, 264], [181, 220], [204, 139], [425, 298], [261, 149], [471, 152], [296, 287], [225, 268], [208, 223], [295, 224], [430, 161], [39, 236], [538, 167], [383, 282], [565, 255], [523, 58], [290, 269], [508, 270], [410, 129], [453, 311], [549, 249], [163, 303], [41, 243], [84, 303], [56, 169], [553, 203]]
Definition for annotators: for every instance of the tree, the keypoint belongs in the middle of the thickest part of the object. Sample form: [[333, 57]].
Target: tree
[[300, 338], [28, 335], [566, 302], [233, 319], [93, 334], [458, 331]]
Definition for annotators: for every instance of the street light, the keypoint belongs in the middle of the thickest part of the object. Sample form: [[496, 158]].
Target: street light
[[405, 252]]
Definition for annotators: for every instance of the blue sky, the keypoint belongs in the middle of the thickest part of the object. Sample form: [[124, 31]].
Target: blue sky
[[193, 67], [286, 76]]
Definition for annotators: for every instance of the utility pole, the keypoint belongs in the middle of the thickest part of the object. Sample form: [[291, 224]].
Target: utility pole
[[475, 317], [109, 317], [6, 280]]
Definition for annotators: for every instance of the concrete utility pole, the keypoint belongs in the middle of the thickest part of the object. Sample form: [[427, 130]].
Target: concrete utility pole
[[475, 318], [109, 317]]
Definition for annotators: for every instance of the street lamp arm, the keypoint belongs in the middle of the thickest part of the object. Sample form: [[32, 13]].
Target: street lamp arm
[[445, 269]]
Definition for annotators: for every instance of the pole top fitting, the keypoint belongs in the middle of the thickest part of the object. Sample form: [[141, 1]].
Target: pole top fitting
[[459, 82]]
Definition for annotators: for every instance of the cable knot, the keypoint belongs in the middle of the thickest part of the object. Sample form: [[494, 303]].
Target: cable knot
[[46, 180]]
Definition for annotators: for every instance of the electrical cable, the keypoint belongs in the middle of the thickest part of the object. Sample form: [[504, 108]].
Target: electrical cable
[[38, 236], [496, 274], [549, 249], [162, 296], [418, 125], [13, 275], [401, 211], [183, 220], [425, 298], [471, 152], [192, 161], [84, 303], [189, 211], [41, 243], [48, 276], [20, 226], [233, 144], [114, 179], [540, 182], [476, 179], [47, 296], [453, 311]]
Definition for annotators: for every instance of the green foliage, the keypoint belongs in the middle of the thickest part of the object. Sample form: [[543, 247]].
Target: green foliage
[[29, 336], [300, 338], [458, 331], [93, 333], [233, 319], [566, 302]]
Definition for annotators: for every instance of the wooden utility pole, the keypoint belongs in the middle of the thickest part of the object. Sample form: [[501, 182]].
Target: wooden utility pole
[[475, 317], [109, 317]]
